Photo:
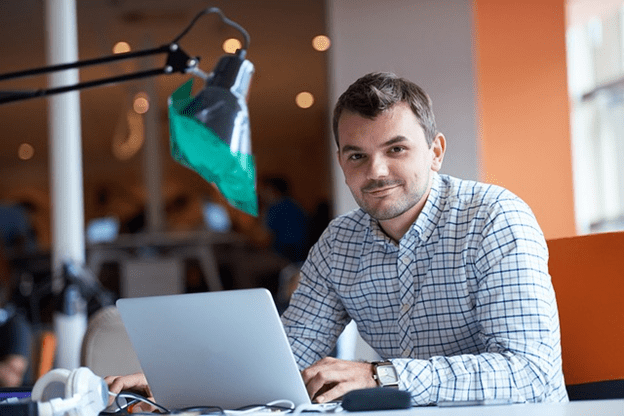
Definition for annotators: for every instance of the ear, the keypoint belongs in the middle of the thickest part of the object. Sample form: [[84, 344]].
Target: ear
[[438, 148]]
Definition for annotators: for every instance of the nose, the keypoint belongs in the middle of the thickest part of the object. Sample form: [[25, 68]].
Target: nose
[[378, 168]]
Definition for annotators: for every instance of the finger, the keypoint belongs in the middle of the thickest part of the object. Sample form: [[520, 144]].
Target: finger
[[323, 375], [114, 387], [311, 372], [322, 393], [322, 381], [315, 384], [308, 374], [143, 408], [335, 392], [339, 377], [135, 381]]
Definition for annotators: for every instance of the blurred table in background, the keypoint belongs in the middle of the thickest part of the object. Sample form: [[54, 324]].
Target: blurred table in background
[[153, 263]]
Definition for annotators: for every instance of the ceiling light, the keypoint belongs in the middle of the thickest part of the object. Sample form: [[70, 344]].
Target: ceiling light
[[121, 47], [25, 151], [141, 103], [304, 99], [321, 43], [232, 45]]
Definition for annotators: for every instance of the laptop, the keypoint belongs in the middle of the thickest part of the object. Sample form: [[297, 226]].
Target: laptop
[[225, 349]]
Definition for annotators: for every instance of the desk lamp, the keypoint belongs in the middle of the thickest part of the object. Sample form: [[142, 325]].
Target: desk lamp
[[209, 132]]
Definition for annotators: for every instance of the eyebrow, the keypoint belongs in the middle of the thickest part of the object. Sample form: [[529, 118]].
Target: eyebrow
[[394, 140]]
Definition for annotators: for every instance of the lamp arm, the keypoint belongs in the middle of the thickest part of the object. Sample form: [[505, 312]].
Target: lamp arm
[[177, 61], [88, 62], [224, 19], [24, 95]]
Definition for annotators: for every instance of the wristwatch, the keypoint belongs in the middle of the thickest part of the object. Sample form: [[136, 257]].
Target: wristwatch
[[385, 374]]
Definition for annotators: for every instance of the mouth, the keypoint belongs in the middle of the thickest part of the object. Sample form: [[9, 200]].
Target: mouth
[[380, 191]]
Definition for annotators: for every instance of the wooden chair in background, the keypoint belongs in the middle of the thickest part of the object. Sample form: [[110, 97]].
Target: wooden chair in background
[[588, 276], [106, 348]]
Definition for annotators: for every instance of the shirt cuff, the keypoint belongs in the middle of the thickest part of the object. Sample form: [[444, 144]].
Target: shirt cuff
[[416, 377]]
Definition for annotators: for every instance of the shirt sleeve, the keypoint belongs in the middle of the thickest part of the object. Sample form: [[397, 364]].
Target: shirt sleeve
[[518, 321], [315, 316]]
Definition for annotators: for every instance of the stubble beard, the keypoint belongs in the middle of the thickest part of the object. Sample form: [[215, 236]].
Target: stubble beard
[[404, 202]]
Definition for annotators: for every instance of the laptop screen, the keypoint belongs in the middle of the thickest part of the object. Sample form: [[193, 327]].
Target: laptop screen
[[225, 349]]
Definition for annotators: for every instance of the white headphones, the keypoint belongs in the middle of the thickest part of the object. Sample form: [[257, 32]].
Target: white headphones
[[73, 393]]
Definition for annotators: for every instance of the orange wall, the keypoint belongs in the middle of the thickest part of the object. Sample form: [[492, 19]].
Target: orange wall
[[523, 112]]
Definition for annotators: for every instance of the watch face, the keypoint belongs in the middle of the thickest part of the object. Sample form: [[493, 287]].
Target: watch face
[[386, 374]]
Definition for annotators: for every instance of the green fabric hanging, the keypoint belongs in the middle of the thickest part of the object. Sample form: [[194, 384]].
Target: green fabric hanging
[[199, 148]]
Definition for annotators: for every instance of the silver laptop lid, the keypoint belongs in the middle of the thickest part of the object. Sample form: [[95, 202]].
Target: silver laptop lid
[[225, 349]]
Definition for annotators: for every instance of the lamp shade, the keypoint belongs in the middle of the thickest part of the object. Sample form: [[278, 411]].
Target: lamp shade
[[210, 132]]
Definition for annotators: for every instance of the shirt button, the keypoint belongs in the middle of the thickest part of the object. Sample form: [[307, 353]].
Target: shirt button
[[405, 260], [405, 307], [406, 353]]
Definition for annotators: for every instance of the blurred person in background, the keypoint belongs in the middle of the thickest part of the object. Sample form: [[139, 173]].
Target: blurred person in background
[[285, 219], [15, 333]]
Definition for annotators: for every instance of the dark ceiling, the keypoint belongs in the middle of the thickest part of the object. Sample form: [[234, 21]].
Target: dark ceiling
[[287, 141]]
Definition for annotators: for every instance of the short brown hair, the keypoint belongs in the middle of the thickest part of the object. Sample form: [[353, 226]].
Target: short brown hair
[[379, 91]]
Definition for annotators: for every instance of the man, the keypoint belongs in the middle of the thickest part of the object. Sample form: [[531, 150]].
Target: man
[[446, 279]]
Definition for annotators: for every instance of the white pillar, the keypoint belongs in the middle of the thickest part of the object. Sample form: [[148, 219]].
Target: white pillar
[[152, 165], [66, 178]]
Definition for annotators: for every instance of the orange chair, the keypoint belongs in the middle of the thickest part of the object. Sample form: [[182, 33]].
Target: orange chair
[[44, 352], [588, 276]]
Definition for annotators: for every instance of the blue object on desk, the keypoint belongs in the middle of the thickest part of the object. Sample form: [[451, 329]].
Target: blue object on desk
[[376, 398]]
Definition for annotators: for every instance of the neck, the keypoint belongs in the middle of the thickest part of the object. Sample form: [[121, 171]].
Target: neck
[[396, 228], [393, 230]]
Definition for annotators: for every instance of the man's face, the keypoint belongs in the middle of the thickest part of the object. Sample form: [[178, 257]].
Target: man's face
[[387, 162]]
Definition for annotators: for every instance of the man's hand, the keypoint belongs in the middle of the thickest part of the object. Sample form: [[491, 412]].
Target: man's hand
[[330, 378], [136, 383]]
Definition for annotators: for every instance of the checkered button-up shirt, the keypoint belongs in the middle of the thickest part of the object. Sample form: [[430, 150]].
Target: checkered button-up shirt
[[463, 305]]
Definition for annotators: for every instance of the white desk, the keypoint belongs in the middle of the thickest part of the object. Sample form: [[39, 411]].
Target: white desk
[[576, 408]]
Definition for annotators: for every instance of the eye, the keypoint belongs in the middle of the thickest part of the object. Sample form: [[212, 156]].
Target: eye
[[355, 156], [397, 149]]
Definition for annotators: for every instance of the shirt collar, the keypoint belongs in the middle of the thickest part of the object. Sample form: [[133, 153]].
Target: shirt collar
[[429, 217], [376, 233]]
